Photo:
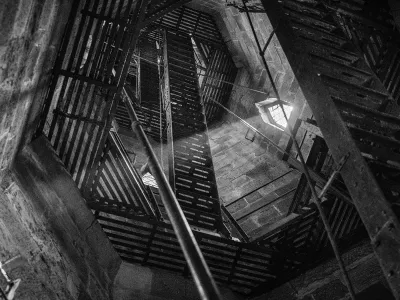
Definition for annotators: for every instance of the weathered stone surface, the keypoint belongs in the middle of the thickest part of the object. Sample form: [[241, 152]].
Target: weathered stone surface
[[242, 166], [143, 283], [45, 220], [30, 32]]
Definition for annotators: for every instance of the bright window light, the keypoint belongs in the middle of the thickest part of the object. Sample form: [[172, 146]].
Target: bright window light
[[278, 116], [271, 112], [148, 179]]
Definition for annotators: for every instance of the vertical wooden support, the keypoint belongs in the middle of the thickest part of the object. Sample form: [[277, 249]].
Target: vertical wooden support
[[191, 169]]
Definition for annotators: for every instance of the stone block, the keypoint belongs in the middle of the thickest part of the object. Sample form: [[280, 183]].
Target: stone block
[[269, 215], [261, 168], [254, 206], [237, 206], [249, 224], [239, 23], [234, 173], [253, 197], [269, 189], [238, 182], [224, 171], [287, 187]]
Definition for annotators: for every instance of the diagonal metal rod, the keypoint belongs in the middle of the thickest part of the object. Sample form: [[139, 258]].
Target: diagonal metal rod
[[305, 167], [198, 267], [259, 188], [291, 160], [269, 39], [332, 177]]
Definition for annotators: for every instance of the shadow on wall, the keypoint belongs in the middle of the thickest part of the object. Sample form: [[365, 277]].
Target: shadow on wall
[[142, 283], [375, 292]]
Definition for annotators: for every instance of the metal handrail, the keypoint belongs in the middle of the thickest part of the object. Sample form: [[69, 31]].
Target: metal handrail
[[305, 167], [198, 267], [259, 188], [291, 160]]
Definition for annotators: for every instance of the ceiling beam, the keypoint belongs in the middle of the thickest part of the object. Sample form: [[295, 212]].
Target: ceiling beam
[[162, 12]]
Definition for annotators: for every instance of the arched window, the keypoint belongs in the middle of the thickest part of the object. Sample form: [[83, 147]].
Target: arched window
[[271, 112]]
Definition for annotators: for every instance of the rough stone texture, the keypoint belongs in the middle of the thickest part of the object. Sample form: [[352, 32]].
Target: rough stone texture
[[45, 220], [326, 281], [143, 283], [237, 34], [241, 166], [30, 31]]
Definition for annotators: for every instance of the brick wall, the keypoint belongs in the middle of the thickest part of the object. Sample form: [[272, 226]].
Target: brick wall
[[30, 31]]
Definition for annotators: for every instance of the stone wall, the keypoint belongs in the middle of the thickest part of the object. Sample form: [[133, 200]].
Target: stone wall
[[44, 219], [244, 161], [326, 281], [30, 32], [238, 36], [142, 283], [243, 165]]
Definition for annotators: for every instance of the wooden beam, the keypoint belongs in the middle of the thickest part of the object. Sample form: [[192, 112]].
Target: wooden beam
[[310, 127], [162, 12], [377, 215]]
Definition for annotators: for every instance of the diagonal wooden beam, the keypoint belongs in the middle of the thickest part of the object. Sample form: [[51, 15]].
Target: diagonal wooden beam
[[377, 215], [163, 11]]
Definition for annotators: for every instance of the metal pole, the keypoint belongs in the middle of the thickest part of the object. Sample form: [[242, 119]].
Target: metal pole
[[161, 95], [198, 267], [305, 167], [259, 188]]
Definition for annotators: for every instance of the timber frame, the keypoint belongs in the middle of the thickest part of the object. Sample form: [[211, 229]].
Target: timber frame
[[378, 217]]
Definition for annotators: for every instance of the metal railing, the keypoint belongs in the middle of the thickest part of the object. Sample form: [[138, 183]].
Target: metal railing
[[198, 267], [303, 163]]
